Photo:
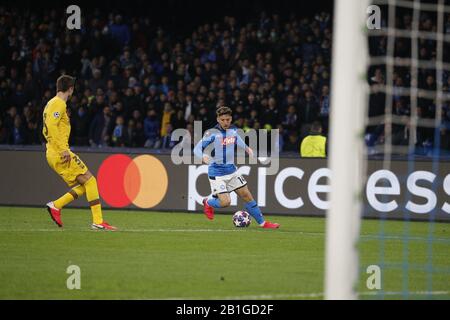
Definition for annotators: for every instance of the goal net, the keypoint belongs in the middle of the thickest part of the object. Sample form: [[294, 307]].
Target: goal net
[[389, 148]]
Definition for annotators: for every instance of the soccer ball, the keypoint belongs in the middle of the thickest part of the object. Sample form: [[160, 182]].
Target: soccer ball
[[241, 219]]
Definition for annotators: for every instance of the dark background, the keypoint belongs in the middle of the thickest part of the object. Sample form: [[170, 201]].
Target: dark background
[[183, 15]]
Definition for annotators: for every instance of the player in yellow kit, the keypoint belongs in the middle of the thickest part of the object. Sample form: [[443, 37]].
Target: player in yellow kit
[[65, 163]]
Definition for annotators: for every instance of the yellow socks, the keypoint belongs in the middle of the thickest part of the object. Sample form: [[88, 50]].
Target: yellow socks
[[91, 190], [94, 200], [73, 194]]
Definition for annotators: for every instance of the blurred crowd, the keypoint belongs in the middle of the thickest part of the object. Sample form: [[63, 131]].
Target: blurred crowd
[[415, 106], [136, 82]]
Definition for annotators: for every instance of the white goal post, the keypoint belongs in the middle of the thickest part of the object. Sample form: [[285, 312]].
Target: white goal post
[[346, 156]]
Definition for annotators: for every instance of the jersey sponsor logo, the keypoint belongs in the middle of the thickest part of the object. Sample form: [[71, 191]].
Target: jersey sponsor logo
[[228, 140], [56, 115]]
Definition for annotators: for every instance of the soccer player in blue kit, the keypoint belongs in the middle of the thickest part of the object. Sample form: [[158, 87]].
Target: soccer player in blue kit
[[222, 172]]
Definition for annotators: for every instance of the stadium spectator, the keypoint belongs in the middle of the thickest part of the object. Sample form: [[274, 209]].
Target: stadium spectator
[[309, 111], [290, 121], [17, 134], [151, 129], [97, 82], [166, 140], [135, 134], [119, 133], [117, 67], [178, 121], [166, 118], [119, 31], [271, 114], [281, 138], [9, 119], [100, 129], [80, 121], [292, 143], [324, 105], [139, 135], [189, 139], [263, 68], [32, 134], [315, 144]]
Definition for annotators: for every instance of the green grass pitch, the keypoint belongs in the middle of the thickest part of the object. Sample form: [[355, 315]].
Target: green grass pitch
[[163, 255]]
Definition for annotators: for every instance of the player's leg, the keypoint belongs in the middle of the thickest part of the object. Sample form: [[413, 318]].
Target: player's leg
[[70, 196], [224, 199], [253, 209], [54, 208], [90, 184], [250, 204], [220, 198]]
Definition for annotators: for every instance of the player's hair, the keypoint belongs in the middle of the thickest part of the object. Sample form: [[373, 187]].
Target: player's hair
[[223, 110], [64, 83]]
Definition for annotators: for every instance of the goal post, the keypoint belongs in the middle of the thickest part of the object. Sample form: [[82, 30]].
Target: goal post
[[346, 156]]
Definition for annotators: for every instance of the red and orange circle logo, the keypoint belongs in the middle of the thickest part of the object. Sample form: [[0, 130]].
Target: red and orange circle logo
[[141, 181]]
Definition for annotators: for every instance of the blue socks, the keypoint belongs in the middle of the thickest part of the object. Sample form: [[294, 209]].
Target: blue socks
[[214, 202], [254, 211], [251, 207]]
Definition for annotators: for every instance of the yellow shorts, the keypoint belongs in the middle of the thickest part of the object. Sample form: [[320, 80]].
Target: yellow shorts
[[67, 171]]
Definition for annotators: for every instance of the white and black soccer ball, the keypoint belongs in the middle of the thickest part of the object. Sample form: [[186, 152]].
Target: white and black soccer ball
[[241, 219]]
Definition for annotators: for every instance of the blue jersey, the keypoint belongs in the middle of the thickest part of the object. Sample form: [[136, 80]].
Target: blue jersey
[[224, 144]]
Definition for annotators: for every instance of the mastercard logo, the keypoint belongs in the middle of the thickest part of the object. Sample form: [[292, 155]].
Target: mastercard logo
[[141, 181]]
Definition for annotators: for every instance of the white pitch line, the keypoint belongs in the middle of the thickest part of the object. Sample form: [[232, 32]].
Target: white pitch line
[[318, 234], [222, 230], [414, 293], [375, 237], [160, 230], [306, 295], [252, 297]]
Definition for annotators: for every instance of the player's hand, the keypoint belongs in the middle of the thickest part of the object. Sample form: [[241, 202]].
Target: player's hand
[[250, 152], [65, 156], [206, 159]]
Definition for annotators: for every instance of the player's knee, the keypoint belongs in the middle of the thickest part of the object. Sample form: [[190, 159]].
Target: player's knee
[[225, 203], [247, 197], [84, 178], [91, 179]]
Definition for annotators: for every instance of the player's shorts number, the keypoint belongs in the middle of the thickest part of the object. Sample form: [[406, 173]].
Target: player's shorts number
[[227, 183], [78, 161]]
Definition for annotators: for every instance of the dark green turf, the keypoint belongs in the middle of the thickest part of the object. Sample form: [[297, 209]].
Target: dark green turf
[[177, 255]]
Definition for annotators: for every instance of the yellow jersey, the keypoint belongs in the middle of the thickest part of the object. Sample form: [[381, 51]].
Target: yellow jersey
[[56, 128], [313, 146]]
